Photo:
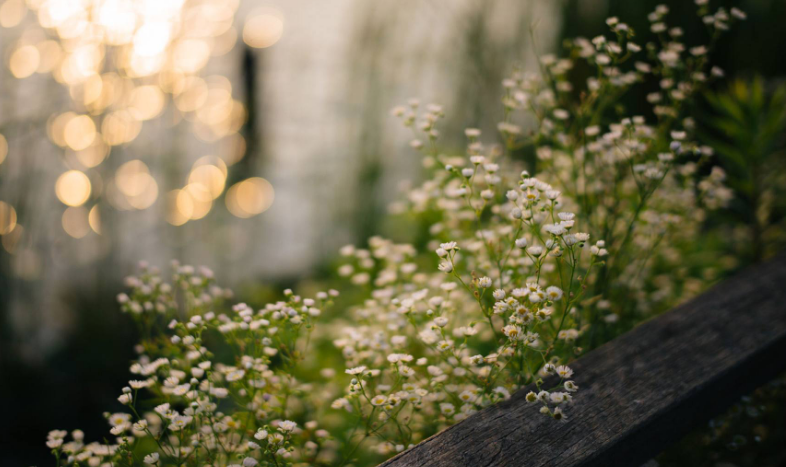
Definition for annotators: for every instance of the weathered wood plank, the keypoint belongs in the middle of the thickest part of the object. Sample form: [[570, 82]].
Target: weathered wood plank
[[640, 392]]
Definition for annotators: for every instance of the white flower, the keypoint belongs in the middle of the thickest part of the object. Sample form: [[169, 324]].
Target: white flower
[[58, 434], [555, 229], [521, 243], [444, 345], [54, 443], [447, 408], [501, 391], [441, 321], [484, 282], [498, 294], [378, 400], [220, 393], [554, 293], [140, 384], [151, 458], [559, 397], [162, 409], [179, 422], [535, 250], [564, 371], [512, 331], [119, 419], [568, 334], [260, 434], [339, 404], [445, 267], [355, 371], [141, 425], [287, 425], [535, 297], [249, 462]]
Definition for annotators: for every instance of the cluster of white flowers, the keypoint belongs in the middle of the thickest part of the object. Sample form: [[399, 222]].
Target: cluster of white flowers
[[501, 310], [523, 263], [640, 184], [209, 407]]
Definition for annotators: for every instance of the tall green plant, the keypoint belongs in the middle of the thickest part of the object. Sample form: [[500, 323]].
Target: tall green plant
[[748, 132]]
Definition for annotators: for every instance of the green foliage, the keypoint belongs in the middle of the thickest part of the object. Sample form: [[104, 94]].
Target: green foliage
[[748, 132]]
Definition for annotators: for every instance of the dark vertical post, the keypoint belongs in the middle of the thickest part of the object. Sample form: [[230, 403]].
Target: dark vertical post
[[251, 131]]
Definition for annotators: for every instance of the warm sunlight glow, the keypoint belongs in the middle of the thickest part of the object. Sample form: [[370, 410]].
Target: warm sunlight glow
[[79, 132], [24, 61], [263, 28], [3, 148], [73, 188], [7, 218], [94, 219], [250, 197], [75, 222], [12, 12]]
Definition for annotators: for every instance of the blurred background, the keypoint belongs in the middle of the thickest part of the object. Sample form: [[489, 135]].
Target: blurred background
[[253, 137]]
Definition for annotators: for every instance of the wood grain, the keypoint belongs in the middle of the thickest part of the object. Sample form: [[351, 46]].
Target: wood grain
[[640, 392]]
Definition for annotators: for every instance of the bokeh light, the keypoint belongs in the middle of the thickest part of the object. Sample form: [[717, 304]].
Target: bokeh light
[[201, 199], [94, 154], [7, 218], [263, 28], [146, 102], [3, 148], [250, 197], [75, 222], [134, 181], [73, 188], [94, 219], [12, 239], [79, 132], [120, 127], [12, 12], [24, 61], [209, 177], [180, 206], [122, 62]]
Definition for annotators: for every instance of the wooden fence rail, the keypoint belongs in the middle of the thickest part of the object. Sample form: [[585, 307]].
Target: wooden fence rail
[[640, 392]]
